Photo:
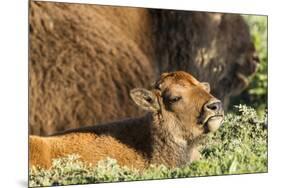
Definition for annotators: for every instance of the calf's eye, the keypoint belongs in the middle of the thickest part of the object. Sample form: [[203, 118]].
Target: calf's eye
[[174, 99]]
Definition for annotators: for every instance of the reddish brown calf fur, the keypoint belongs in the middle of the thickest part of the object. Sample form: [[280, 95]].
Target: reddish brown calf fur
[[179, 115]]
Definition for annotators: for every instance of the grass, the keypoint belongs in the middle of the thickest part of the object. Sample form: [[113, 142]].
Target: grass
[[239, 146]]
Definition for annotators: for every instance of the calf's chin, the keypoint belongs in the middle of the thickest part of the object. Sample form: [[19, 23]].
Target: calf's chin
[[214, 123]]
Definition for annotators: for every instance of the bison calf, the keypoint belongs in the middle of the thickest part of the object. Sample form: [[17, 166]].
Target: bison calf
[[180, 111]]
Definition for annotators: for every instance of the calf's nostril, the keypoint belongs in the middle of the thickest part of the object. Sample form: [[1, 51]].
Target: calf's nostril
[[215, 106], [212, 106]]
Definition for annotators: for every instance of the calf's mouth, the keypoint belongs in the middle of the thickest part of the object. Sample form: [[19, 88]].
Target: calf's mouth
[[212, 123]]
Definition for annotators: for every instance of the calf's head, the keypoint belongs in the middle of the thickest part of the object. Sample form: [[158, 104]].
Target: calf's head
[[182, 104]]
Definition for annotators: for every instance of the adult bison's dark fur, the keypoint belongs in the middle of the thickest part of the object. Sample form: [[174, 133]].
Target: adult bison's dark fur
[[84, 59]]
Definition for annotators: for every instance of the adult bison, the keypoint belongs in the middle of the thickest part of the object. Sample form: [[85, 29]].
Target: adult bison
[[84, 59]]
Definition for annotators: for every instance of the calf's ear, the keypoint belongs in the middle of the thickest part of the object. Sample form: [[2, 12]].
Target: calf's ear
[[206, 86], [145, 99]]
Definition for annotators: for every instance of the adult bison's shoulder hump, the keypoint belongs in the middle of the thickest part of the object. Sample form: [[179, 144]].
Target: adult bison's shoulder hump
[[81, 67]]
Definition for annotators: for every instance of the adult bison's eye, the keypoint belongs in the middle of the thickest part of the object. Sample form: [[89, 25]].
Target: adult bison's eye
[[174, 99]]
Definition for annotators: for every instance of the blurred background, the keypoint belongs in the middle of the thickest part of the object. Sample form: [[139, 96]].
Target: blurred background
[[256, 93]]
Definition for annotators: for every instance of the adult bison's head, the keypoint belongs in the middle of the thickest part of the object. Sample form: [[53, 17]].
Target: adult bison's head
[[211, 46], [183, 104]]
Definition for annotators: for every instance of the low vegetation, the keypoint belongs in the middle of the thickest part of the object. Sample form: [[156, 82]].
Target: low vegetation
[[239, 146]]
